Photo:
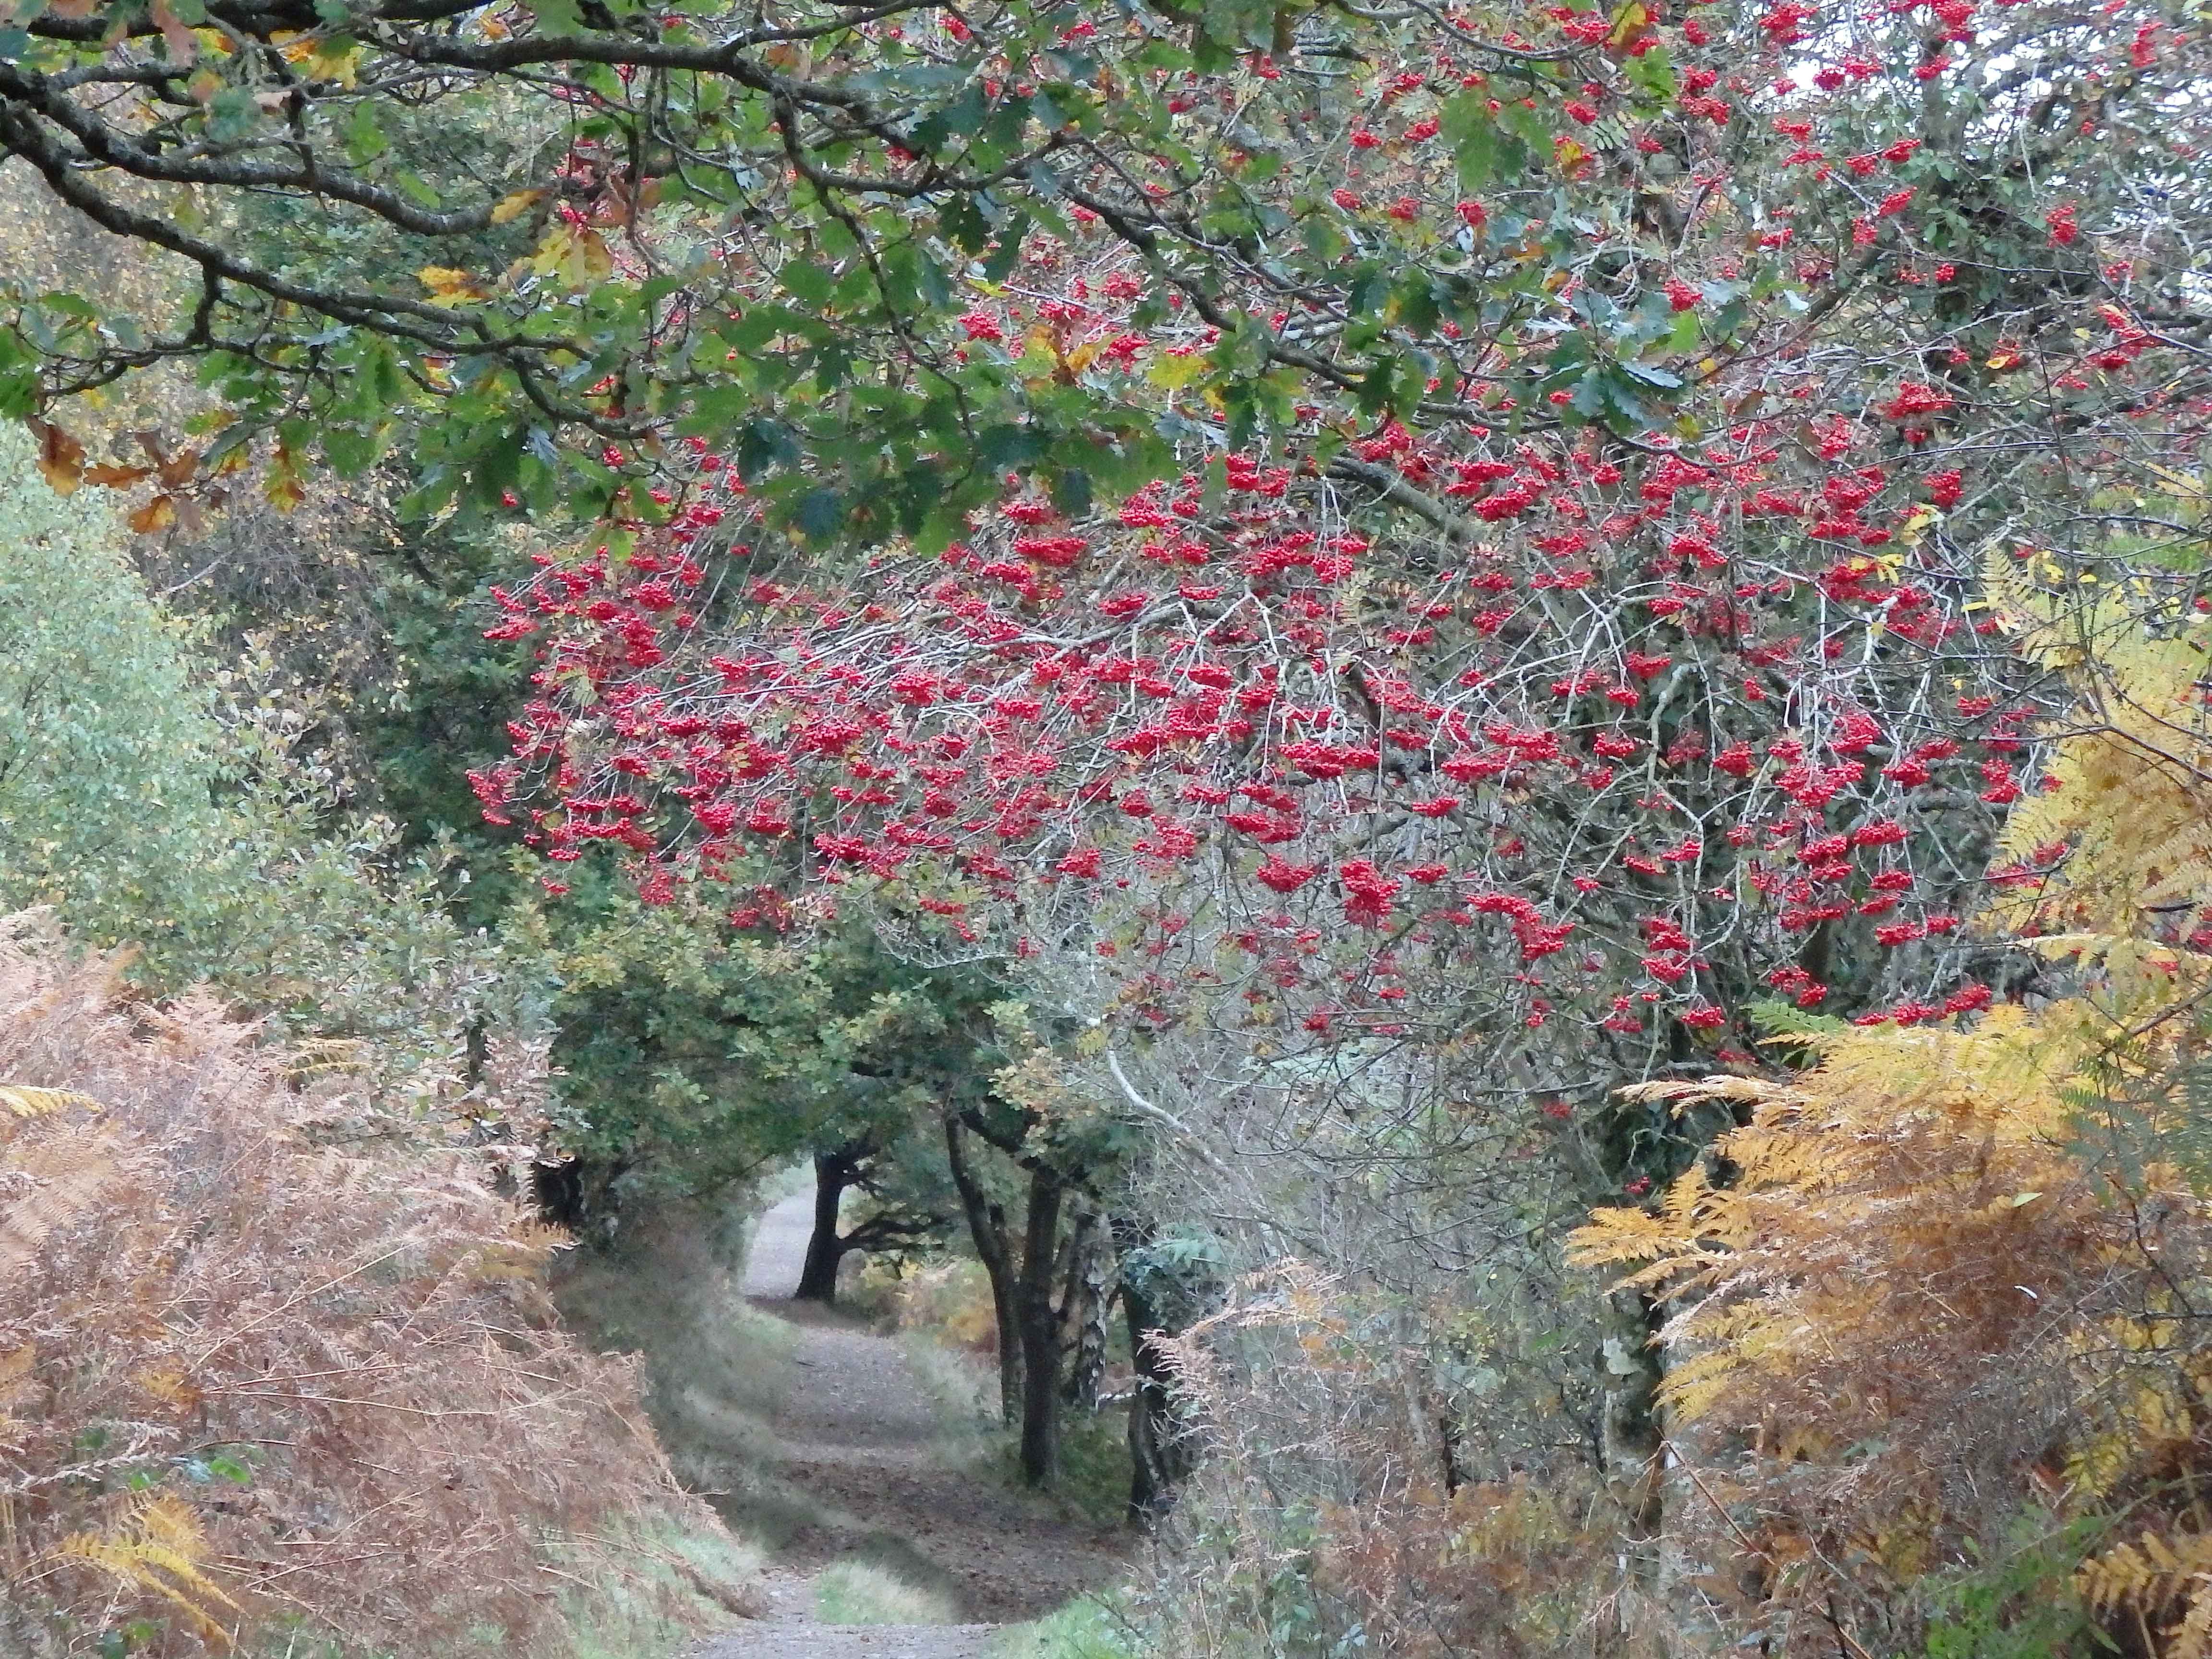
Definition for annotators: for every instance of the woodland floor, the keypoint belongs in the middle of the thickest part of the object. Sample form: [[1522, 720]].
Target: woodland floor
[[863, 1441]]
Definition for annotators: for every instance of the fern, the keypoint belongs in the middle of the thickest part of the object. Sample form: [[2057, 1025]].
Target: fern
[[1919, 1228], [1786, 1019], [160, 1548], [23, 1103], [63, 1177]]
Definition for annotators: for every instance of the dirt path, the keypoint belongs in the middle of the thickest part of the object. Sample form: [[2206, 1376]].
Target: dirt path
[[861, 1441]]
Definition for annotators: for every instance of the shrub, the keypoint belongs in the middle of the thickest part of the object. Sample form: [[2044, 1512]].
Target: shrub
[[108, 747], [1085, 1629]]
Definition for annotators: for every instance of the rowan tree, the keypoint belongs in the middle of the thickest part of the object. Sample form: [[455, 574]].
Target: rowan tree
[[1442, 543]]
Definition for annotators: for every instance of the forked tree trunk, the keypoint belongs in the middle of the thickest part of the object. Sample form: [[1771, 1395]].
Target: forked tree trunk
[[834, 1175], [1031, 1346]]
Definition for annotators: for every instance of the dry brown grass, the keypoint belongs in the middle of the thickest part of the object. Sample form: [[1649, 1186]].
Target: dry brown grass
[[258, 1371]]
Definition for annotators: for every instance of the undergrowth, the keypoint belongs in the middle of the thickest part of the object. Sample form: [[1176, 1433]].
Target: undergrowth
[[647, 1589], [1087, 1628], [276, 1366]]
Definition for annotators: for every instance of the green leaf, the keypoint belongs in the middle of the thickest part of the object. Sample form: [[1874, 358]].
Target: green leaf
[[416, 189], [556, 16], [1071, 491], [1473, 137], [364, 135], [1006, 447], [820, 514], [807, 281], [19, 378]]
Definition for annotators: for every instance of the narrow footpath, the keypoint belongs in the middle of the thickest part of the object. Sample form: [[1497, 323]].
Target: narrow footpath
[[862, 1440]]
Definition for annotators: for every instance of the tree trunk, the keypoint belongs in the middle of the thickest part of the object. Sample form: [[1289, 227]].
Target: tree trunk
[[1157, 1458], [986, 1227], [1083, 1305], [1629, 1429], [1039, 1320], [834, 1173]]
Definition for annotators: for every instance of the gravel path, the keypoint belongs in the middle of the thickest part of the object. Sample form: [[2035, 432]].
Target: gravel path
[[860, 1437]]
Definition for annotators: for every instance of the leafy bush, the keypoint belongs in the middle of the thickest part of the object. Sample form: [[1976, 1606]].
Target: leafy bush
[[107, 746], [950, 1300]]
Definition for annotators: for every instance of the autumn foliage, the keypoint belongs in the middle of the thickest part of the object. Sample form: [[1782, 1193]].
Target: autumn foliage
[[272, 1361], [1946, 1278]]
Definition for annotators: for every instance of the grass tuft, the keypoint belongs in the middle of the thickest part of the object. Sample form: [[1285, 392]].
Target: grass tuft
[[857, 1593], [644, 1592]]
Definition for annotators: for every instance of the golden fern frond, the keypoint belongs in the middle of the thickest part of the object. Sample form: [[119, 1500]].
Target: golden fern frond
[[20, 1102], [1724, 1086], [161, 1549], [1614, 1236], [66, 1177], [2149, 1575], [2188, 1640], [321, 1056]]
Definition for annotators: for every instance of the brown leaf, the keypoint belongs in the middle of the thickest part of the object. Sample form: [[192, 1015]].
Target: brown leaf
[[61, 457], [155, 516], [116, 478], [183, 47], [179, 468]]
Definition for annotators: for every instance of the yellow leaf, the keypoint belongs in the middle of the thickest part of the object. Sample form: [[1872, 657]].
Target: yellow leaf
[[1172, 372], [1629, 22], [450, 286], [1917, 523], [1568, 154], [2181, 483], [331, 61], [514, 206], [576, 253]]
